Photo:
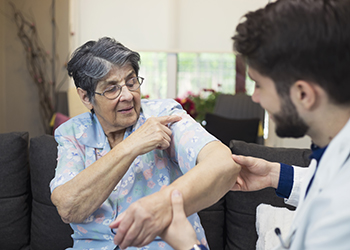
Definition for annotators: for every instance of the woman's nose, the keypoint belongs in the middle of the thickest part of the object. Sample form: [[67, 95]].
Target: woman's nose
[[125, 94]]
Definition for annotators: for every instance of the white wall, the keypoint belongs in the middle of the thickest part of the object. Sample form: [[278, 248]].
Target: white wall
[[208, 25], [163, 25]]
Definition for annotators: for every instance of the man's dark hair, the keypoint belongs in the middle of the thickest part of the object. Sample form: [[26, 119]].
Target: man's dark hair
[[91, 62], [292, 40]]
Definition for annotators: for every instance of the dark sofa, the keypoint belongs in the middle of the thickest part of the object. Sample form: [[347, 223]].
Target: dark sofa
[[30, 221]]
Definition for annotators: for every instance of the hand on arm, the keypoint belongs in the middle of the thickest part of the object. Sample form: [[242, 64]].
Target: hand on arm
[[142, 221], [180, 234], [201, 187], [81, 196], [256, 174]]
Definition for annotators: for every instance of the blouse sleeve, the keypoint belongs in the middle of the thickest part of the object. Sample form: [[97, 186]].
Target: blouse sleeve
[[70, 159], [188, 138]]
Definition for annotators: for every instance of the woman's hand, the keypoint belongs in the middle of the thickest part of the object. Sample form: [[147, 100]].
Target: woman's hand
[[256, 174], [153, 134]]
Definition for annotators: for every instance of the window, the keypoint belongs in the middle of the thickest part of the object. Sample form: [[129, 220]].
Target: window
[[154, 68], [205, 70], [195, 71]]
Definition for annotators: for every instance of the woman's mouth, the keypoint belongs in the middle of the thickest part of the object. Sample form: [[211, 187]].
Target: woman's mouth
[[126, 110]]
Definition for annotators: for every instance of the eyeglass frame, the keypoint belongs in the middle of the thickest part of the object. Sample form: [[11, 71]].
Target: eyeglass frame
[[121, 86]]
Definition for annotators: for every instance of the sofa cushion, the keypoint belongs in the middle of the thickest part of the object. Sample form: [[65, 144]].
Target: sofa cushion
[[14, 191], [213, 222], [47, 229], [241, 206], [14, 222], [42, 157], [14, 168]]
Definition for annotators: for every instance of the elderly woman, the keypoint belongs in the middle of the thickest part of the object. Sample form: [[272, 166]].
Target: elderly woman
[[127, 155]]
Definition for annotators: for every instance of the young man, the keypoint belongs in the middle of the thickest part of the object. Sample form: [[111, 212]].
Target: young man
[[298, 52]]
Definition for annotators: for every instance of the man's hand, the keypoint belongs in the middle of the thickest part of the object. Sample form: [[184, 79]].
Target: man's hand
[[256, 174], [180, 233], [142, 221]]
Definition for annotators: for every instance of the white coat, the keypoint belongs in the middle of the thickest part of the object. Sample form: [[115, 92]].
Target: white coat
[[322, 218]]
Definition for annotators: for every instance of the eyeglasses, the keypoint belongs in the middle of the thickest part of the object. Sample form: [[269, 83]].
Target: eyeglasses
[[114, 91]]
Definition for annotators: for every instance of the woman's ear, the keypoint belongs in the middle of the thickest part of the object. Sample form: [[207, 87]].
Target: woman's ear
[[304, 94], [84, 98]]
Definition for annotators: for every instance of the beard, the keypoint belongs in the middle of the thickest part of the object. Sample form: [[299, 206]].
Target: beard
[[288, 122]]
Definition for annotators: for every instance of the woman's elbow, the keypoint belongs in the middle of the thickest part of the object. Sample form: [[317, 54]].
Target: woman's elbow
[[227, 161], [235, 167], [64, 208], [65, 215], [231, 169]]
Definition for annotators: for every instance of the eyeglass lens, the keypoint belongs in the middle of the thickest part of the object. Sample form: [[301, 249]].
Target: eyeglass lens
[[114, 91]]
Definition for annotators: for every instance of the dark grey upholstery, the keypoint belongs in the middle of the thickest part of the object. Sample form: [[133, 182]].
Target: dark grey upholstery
[[47, 229], [213, 220], [28, 219], [14, 191], [291, 156]]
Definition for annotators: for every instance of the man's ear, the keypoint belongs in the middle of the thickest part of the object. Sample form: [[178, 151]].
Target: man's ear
[[304, 94], [84, 98]]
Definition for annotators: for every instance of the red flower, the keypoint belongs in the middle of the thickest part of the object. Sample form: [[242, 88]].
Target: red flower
[[188, 105]]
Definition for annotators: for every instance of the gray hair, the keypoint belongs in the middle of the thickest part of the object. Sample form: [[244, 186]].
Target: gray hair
[[91, 62]]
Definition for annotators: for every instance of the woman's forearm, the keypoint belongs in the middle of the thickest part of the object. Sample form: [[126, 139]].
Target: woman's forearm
[[209, 180], [80, 197]]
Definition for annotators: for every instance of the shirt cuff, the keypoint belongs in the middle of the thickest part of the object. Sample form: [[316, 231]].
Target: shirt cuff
[[285, 183]]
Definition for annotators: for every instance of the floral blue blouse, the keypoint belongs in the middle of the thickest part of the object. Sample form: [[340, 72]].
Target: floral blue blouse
[[81, 141]]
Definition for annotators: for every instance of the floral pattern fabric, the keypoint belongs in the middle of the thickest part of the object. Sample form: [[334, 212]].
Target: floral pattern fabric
[[81, 141]]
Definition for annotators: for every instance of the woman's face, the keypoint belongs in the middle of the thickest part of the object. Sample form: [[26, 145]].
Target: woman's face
[[122, 112]]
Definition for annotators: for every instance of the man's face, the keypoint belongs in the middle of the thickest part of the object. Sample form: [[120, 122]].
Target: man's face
[[281, 109]]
